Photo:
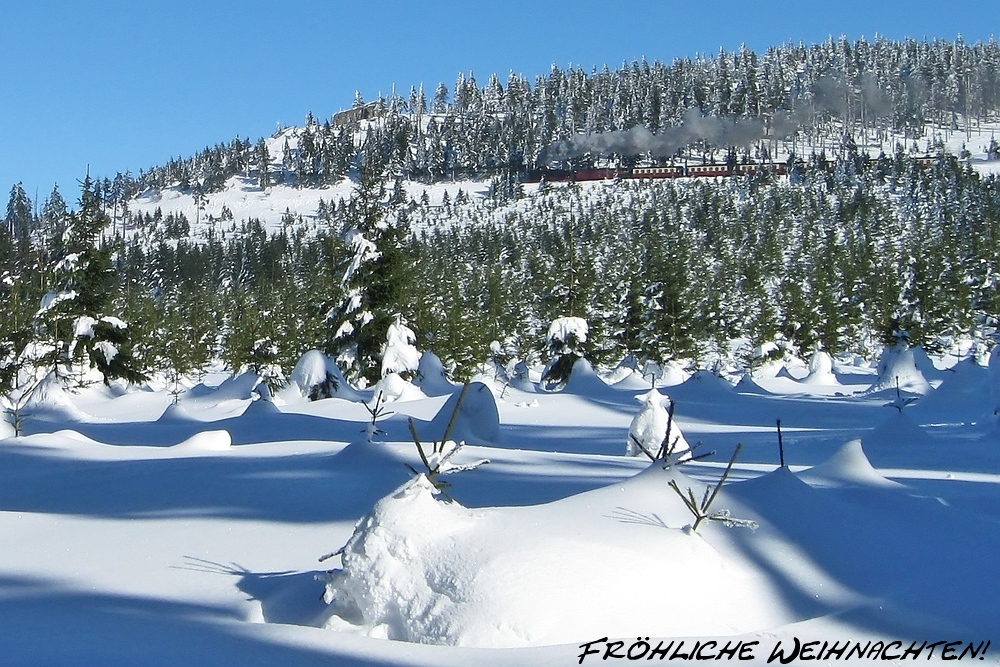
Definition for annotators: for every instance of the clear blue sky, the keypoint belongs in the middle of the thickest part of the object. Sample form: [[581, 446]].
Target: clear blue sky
[[125, 85]]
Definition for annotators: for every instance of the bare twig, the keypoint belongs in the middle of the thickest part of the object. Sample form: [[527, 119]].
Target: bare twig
[[441, 464], [330, 555], [701, 510], [454, 415], [666, 447], [642, 448], [781, 446]]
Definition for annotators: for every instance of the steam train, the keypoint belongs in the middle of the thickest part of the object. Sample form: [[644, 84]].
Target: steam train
[[706, 170]]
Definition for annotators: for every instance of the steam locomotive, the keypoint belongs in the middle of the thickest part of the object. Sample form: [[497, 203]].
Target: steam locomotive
[[707, 170]]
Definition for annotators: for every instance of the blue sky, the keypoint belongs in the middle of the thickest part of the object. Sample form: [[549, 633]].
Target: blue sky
[[125, 85]]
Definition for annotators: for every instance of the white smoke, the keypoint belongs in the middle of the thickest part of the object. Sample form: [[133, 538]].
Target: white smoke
[[695, 127]]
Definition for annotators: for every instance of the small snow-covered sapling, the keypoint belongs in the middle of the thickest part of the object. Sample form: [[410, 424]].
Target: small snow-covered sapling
[[667, 454], [438, 460], [379, 411], [702, 510]]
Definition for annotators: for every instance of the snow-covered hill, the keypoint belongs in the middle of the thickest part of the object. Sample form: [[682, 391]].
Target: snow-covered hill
[[286, 206]]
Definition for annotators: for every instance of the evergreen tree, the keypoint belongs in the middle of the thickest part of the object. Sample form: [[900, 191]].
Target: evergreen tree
[[76, 314], [375, 278], [19, 219]]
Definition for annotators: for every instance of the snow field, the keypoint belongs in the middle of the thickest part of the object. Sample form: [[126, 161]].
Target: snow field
[[137, 531]]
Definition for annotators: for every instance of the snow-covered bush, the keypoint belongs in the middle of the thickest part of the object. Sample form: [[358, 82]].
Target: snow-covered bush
[[317, 376], [897, 369], [399, 354], [564, 341], [648, 432]]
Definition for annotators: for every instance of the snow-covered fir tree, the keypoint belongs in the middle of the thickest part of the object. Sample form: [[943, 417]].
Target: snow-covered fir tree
[[375, 278], [76, 315]]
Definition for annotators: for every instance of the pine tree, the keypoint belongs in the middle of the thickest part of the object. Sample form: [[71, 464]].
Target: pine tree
[[75, 315], [19, 219], [376, 278]]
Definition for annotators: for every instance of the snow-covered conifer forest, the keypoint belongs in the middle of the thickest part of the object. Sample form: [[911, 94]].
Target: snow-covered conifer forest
[[451, 368]]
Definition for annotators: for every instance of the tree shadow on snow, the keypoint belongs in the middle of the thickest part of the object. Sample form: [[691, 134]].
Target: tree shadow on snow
[[295, 488], [47, 622]]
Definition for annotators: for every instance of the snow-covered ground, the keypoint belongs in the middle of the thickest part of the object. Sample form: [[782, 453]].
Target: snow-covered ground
[[133, 531]]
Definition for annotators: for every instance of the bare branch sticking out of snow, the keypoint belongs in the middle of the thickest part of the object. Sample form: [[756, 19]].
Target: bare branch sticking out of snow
[[701, 509]]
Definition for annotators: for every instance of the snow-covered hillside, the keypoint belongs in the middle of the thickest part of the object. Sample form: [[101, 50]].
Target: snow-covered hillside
[[279, 205], [136, 531]]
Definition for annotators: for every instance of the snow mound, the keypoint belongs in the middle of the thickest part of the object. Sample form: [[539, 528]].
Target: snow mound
[[926, 366], [820, 370], [747, 385], [394, 389], [631, 381], [897, 368], [624, 369], [399, 577], [431, 376], [963, 396], [785, 373], [365, 454], [849, 466], [206, 441], [176, 412], [520, 378], [423, 570], [703, 386], [649, 427], [261, 406], [673, 374], [238, 388], [51, 399], [317, 376], [584, 380], [899, 430], [478, 420]]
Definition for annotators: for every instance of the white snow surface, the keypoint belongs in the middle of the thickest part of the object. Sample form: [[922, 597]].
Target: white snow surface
[[193, 538], [995, 379]]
